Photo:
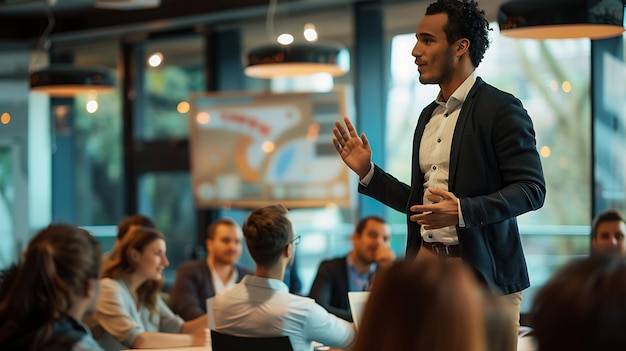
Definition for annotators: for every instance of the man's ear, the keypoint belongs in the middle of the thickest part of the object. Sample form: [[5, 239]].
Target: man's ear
[[462, 46]]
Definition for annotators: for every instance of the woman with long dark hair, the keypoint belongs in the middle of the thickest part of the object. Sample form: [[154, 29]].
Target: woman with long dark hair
[[44, 298]]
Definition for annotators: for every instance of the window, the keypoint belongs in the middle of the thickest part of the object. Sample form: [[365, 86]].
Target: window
[[171, 69]]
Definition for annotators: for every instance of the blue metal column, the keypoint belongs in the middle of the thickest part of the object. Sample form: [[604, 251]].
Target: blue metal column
[[370, 58]]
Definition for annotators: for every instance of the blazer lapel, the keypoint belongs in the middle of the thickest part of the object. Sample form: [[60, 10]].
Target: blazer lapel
[[459, 130]]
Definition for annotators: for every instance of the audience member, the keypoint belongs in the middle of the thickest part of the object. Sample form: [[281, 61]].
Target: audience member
[[607, 233], [354, 272], [44, 298], [124, 226], [130, 311], [433, 305], [198, 280], [261, 305], [581, 308]]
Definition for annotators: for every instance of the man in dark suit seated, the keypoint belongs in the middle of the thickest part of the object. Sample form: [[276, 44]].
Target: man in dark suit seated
[[353, 272], [198, 280]]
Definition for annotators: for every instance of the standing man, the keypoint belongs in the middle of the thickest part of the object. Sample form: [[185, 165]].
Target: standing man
[[200, 279], [475, 161], [354, 272], [261, 305], [607, 233]]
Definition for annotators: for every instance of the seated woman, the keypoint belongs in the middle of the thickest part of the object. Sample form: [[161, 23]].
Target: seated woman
[[43, 299], [130, 311], [429, 305]]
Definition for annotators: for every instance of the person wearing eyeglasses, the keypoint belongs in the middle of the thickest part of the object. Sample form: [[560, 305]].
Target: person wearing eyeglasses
[[261, 305], [355, 271]]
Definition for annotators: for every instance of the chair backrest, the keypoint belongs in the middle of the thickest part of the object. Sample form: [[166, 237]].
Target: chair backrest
[[225, 342]]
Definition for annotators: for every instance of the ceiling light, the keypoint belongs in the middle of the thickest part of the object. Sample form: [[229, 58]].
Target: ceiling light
[[67, 81], [297, 59], [310, 33], [561, 19]]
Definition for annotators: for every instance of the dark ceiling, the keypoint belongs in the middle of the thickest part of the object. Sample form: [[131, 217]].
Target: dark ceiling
[[25, 20]]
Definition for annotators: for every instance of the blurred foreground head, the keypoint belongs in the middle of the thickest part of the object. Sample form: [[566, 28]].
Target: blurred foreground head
[[430, 305], [583, 307]]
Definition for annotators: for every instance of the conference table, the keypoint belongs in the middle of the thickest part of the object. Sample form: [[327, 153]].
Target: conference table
[[190, 348]]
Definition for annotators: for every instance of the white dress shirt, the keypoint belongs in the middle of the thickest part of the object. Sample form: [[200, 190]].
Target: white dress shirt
[[218, 284], [260, 307], [434, 155]]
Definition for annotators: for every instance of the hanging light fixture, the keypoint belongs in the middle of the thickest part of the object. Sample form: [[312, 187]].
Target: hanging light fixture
[[297, 59], [290, 59], [64, 80], [561, 19], [67, 80]]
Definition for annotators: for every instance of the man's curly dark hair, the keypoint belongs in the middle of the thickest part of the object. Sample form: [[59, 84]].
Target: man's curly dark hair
[[465, 20]]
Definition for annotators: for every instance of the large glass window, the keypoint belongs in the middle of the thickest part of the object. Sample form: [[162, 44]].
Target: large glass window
[[92, 124], [171, 70], [552, 78], [166, 198]]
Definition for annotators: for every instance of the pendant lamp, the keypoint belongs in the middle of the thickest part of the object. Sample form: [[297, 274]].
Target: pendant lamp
[[297, 59], [561, 19], [67, 80]]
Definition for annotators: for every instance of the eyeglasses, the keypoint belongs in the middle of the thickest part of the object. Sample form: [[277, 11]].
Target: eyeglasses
[[295, 240]]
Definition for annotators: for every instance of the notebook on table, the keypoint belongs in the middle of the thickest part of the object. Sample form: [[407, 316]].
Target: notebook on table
[[357, 301]]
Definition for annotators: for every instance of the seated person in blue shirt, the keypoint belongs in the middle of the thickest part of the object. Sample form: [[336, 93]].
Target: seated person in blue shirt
[[44, 299], [355, 271], [198, 280], [261, 305]]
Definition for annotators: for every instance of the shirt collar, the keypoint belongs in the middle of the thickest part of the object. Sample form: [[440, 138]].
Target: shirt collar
[[351, 265], [266, 283], [459, 95]]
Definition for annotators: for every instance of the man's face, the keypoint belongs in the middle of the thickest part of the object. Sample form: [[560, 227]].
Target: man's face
[[434, 57], [609, 238], [226, 245], [367, 242]]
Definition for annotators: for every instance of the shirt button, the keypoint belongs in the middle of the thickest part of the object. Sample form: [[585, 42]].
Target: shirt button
[[438, 140], [434, 168]]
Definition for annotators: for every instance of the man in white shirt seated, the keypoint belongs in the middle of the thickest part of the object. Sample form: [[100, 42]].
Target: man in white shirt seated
[[261, 305]]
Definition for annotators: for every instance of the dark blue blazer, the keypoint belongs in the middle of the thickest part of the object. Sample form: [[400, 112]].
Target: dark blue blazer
[[496, 173], [193, 285], [330, 287]]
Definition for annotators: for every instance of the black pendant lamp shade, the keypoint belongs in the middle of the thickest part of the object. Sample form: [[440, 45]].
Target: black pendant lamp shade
[[297, 59], [67, 81], [561, 19]]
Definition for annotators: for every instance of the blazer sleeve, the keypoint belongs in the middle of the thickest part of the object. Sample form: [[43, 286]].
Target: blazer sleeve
[[387, 189], [184, 298], [322, 291], [518, 185]]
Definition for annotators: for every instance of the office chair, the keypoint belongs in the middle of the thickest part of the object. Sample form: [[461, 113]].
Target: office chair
[[225, 342]]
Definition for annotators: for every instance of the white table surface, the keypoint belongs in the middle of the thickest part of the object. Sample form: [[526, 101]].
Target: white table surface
[[189, 348]]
